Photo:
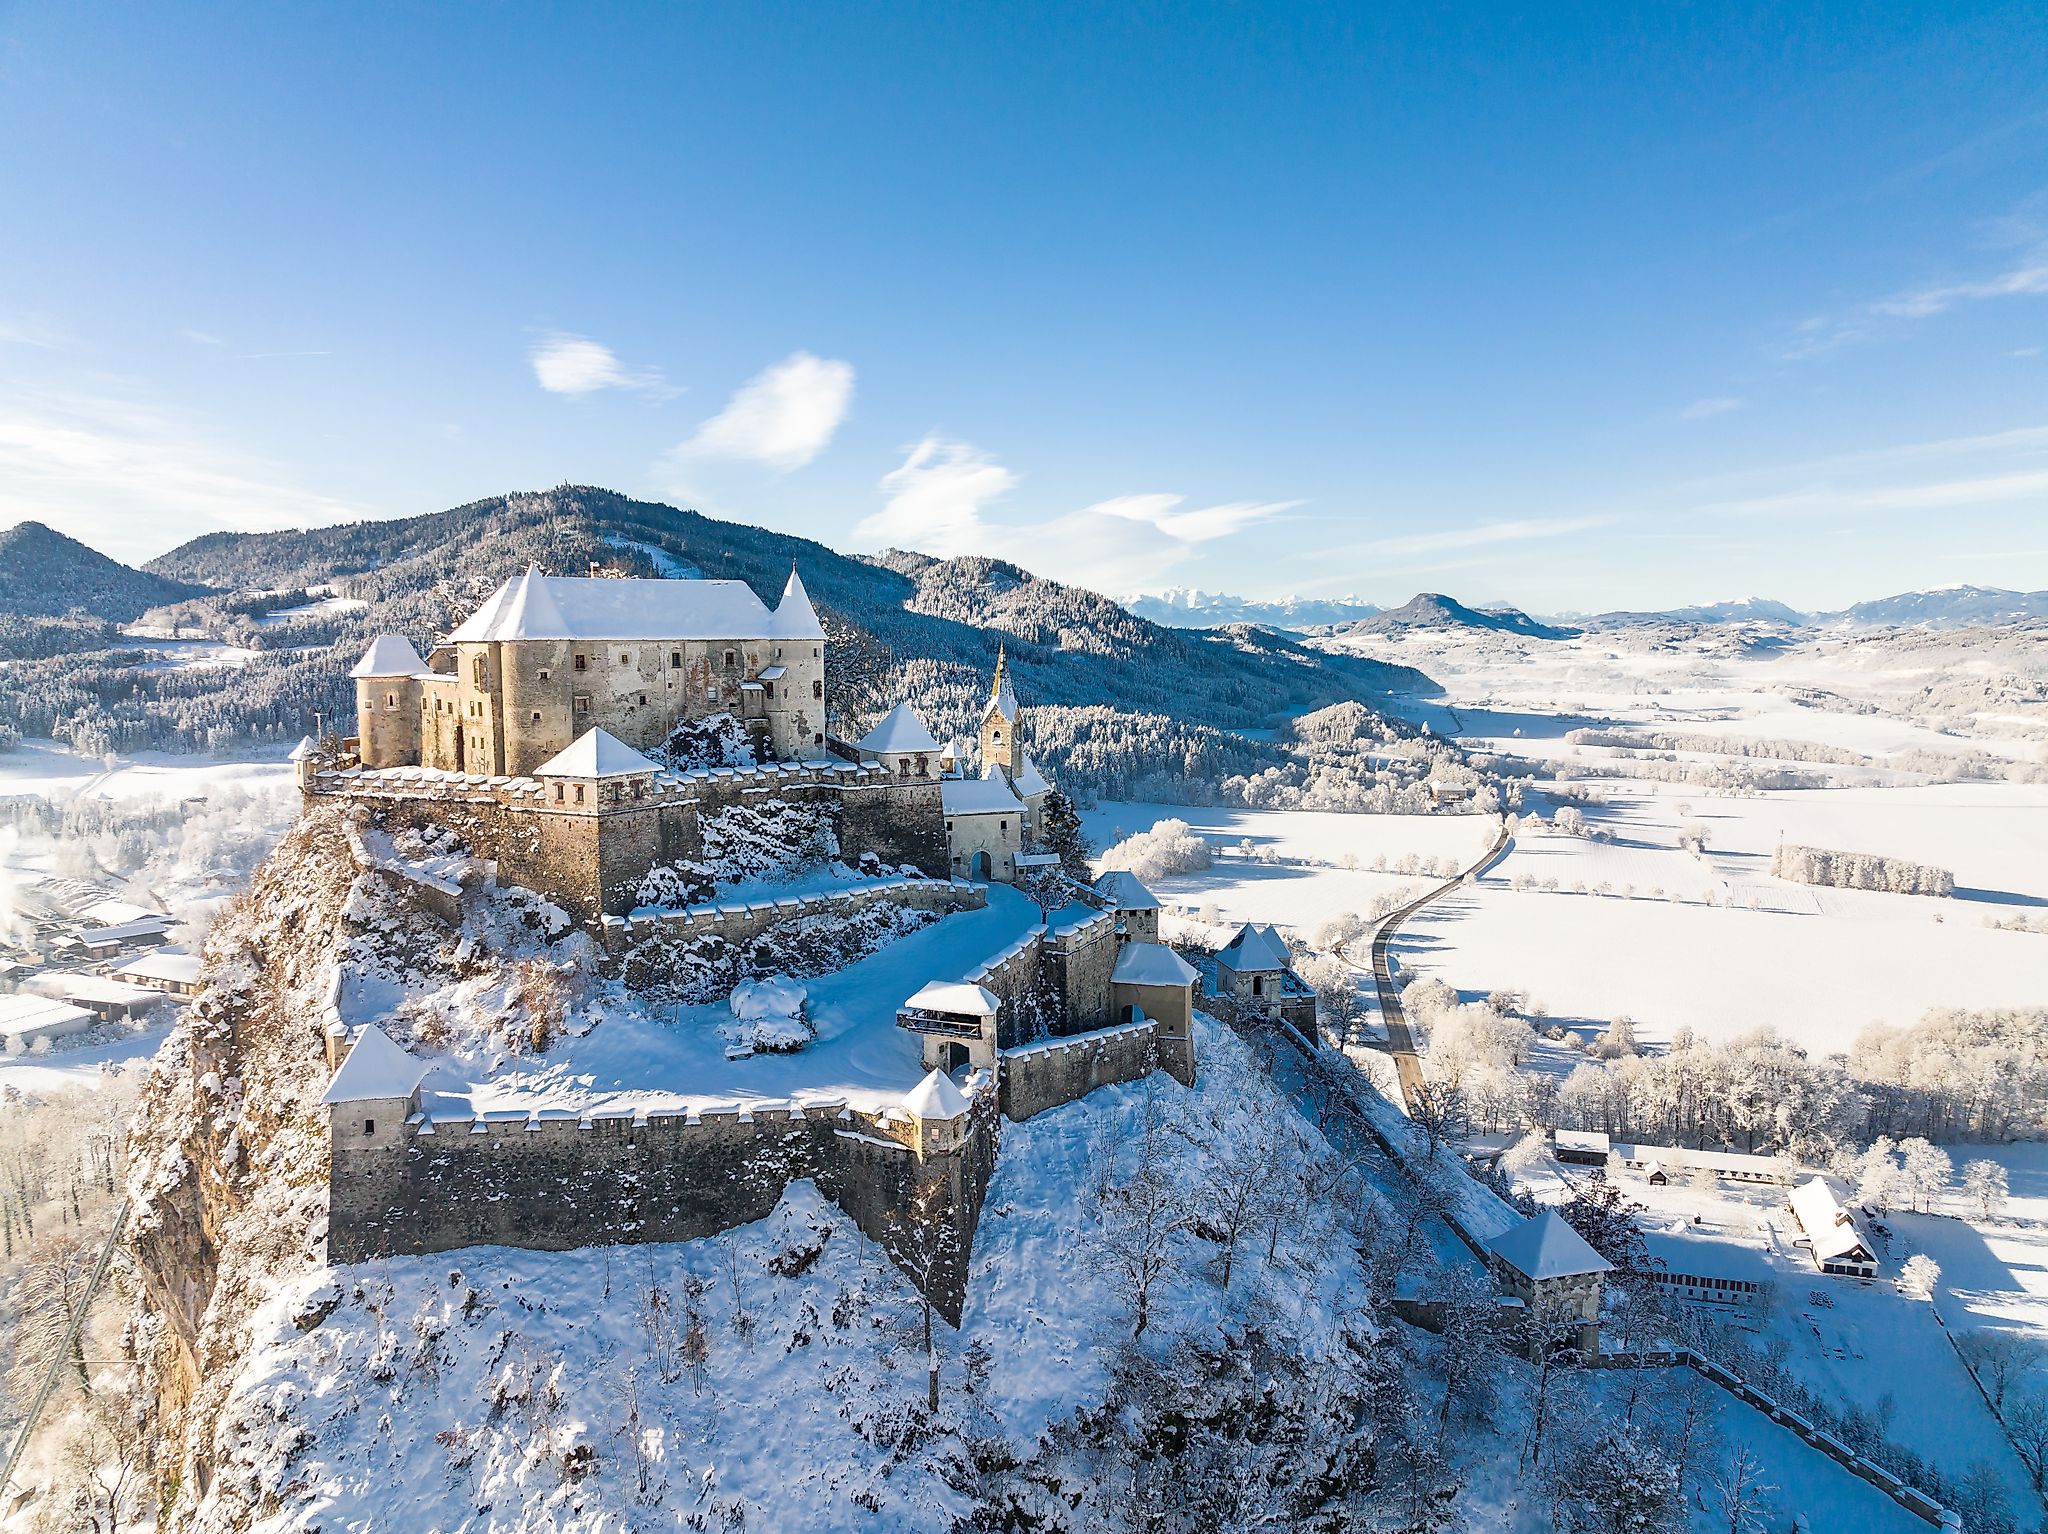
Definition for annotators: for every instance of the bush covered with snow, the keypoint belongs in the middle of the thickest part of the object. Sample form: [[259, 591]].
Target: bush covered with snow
[[716, 740], [1859, 871], [676, 968], [1170, 847], [771, 838], [768, 1015]]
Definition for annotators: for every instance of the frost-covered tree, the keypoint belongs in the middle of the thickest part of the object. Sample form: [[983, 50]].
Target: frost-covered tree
[[1738, 1495], [1985, 1183], [1920, 1275], [1609, 1220]]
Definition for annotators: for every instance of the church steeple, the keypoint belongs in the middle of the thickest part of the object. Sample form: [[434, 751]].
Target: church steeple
[[1002, 747]]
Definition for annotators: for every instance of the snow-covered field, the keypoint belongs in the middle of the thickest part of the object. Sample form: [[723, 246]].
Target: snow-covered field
[[46, 768], [1634, 924], [1324, 863]]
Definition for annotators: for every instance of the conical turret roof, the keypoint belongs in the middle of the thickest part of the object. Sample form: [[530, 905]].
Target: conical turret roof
[[1002, 699], [794, 617]]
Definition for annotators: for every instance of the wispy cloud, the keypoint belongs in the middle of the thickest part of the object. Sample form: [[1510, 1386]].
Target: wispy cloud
[[943, 497], [566, 364], [784, 416], [202, 337], [1703, 409], [1935, 495], [2029, 277], [126, 475]]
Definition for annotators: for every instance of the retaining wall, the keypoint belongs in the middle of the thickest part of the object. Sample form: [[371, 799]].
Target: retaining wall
[[1044, 1075], [737, 920]]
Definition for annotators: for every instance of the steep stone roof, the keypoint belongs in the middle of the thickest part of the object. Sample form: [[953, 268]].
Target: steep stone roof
[[794, 616], [1123, 889], [900, 730], [389, 655], [375, 1068], [536, 606], [1254, 948], [1547, 1247], [596, 753], [1152, 964]]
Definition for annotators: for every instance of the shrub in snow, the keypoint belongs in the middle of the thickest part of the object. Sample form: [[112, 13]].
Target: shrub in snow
[[1170, 847], [716, 740], [766, 839], [768, 1014], [672, 886]]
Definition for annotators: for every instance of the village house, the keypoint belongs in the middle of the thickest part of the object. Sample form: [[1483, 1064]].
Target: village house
[[1837, 1246]]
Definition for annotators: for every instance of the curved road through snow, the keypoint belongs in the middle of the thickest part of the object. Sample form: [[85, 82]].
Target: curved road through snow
[[1400, 1037]]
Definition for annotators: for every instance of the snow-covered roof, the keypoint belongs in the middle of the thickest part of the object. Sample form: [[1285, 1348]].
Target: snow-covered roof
[[303, 749], [596, 753], [956, 996], [1584, 1140], [936, 1097], [375, 1068], [1824, 1222], [389, 655], [1254, 948], [85, 989], [1030, 782], [1547, 1247], [900, 730], [1687, 1256], [27, 1014], [536, 606], [1152, 964], [109, 913], [172, 965], [794, 617], [979, 796], [1125, 891]]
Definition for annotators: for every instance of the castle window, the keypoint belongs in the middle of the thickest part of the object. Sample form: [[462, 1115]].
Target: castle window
[[391, 700], [543, 676], [478, 670], [818, 738], [558, 793], [731, 658], [625, 659], [767, 689], [536, 716], [643, 700], [817, 689], [582, 664], [714, 692], [369, 1126], [579, 793], [675, 660], [583, 703]]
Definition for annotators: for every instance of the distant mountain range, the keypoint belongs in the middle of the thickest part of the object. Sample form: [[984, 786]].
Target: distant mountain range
[[1183, 607], [1942, 607]]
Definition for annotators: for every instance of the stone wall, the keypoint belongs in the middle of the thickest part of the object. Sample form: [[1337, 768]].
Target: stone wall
[[557, 1183], [736, 921], [592, 859], [1080, 957], [1036, 1077]]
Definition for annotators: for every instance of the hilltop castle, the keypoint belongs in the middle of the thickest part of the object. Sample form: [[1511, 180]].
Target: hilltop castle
[[544, 730], [539, 727]]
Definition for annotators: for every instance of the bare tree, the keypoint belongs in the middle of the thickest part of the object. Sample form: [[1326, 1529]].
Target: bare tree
[[1740, 1497], [1438, 1110], [2027, 1423], [1144, 1221], [1999, 1359]]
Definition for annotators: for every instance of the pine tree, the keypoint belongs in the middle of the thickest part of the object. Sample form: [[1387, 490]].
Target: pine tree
[[1059, 831]]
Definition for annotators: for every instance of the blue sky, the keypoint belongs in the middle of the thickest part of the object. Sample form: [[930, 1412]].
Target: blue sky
[[1564, 306]]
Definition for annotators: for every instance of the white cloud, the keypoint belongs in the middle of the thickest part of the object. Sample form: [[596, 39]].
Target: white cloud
[[1837, 500], [783, 416], [1196, 526], [566, 364], [2031, 277], [202, 337], [941, 496], [129, 478], [1702, 409], [1990, 469]]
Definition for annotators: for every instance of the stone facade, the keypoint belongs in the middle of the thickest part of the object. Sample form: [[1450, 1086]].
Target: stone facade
[[1045, 1075], [401, 1185]]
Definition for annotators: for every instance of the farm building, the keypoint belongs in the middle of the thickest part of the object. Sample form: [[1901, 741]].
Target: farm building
[[1691, 1268], [1837, 1246], [1676, 1161], [171, 970], [27, 1021], [1583, 1147]]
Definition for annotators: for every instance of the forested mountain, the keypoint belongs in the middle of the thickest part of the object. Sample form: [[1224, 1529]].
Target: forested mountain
[[44, 574], [901, 626], [1433, 610], [1183, 607]]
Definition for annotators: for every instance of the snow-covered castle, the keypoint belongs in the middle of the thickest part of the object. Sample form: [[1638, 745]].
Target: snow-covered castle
[[539, 726], [561, 732]]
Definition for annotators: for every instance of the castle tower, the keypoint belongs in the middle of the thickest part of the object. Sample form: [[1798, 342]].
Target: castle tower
[[1002, 746], [794, 679], [387, 682]]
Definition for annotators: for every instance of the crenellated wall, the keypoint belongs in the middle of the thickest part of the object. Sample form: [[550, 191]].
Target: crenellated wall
[[736, 921], [1044, 1075], [561, 1182]]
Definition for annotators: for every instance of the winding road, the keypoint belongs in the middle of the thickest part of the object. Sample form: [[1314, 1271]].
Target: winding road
[[1400, 1037]]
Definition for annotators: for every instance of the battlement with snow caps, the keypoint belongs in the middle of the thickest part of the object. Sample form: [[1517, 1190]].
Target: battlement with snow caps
[[737, 920], [408, 1176]]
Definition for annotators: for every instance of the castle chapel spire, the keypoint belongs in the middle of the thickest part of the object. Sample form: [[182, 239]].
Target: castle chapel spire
[[1001, 745]]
